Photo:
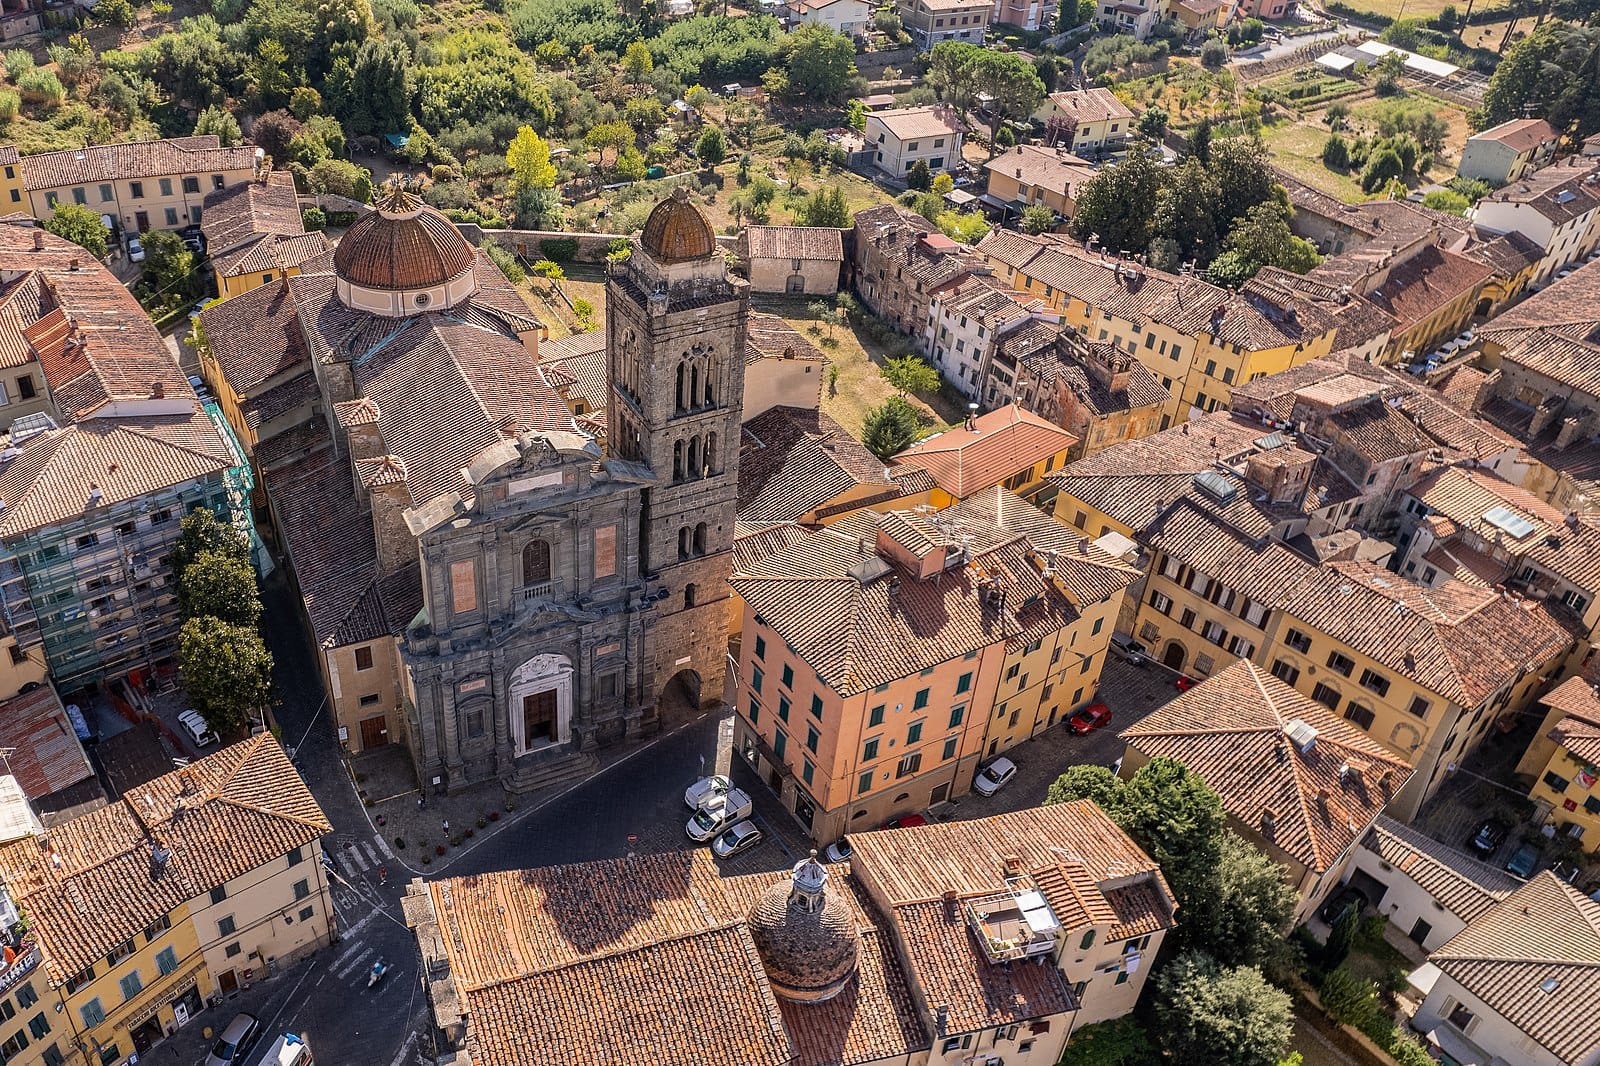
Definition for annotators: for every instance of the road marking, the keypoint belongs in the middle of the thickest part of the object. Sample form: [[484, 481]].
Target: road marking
[[356, 859], [405, 1045], [355, 945], [353, 965], [383, 846], [373, 854], [275, 1014]]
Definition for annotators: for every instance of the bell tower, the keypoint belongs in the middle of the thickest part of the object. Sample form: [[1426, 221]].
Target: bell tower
[[675, 344]]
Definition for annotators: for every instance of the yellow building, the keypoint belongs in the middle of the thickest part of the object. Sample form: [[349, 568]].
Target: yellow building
[[144, 185], [946, 615], [200, 882], [255, 235], [13, 193], [1085, 120], [1009, 447], [1032, 175], [1563, 761], [1199, 339]]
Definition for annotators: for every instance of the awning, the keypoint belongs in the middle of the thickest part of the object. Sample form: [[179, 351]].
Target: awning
[[1336, 62], [397, 140], [1424, 977]]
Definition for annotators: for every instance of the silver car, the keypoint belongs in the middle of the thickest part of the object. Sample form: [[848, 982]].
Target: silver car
[[996, 775], [736, 841], [718, 813]]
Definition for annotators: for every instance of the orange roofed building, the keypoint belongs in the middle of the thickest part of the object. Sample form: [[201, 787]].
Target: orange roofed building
[[960, 943], [1010, 447]]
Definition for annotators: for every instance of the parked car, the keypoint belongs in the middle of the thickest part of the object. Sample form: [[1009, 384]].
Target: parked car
[[704, 789], [1490, 835], [1524, 862], [236, 1040], [1567, 871], [1341, 901], [1089, 719], [717, 813], [1129, 650], [838, 851], [197, 729], [736, 840], [994, 776], [135, 250], [905, 821]]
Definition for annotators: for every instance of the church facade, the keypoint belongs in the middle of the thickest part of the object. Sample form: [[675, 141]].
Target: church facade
[[541, 584]]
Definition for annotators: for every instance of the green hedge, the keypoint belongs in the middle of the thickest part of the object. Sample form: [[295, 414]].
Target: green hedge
[[559, 249]]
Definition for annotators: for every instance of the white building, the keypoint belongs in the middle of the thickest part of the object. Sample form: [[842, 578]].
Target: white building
[[963, 317], [1556, 208], [850, 17], [903, 135]]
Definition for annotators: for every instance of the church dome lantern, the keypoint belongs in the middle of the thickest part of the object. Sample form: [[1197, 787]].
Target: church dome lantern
[[806, 935], [403, 258]]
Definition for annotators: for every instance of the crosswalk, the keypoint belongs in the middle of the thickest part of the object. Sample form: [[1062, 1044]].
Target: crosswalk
[[361, 856]]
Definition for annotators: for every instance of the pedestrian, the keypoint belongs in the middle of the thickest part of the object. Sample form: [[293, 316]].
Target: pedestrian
[[447, 827], [422, 800], [383, 875]]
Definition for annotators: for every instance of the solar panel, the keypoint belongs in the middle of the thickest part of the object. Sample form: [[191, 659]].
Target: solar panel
[[1508, 520]]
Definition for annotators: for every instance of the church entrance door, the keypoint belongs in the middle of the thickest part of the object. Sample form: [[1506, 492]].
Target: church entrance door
[[539, 717]]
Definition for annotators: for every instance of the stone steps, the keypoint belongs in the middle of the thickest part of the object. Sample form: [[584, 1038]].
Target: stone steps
[[547, 774]]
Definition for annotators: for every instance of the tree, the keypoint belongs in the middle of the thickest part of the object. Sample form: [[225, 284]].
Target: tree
[[222, 586], [1200, 140], [1010, 86], [1116, 1043], [201, 531], [1243, 177], [265, 75], [342, 178], [1037, 218], [1213, 54], [711, 149], [1336, 153], [1263, 238], [1389, 70], [631, 164], [118, 13], [371, 94], [942, 184], [890, 428], [216, 120], [609, 137], [919, 177], [909, 374], [1210, 1014], [1153, 123], [1448, 201], [1178, 821], [1086, 782], [1382, 166], [274, 132], [820, 63], [968, 228], [168, 262], [1554, 72], [1231, 270], [227, 671], [827, 207], [81, 226], [1189, 210], [529, 160], [950, 72], [637, 62], [1347, 998], [1119, 203], [1241, 919]]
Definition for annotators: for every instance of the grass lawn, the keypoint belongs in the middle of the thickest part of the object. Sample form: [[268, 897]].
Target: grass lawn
[[857, 357], [1411, 9], [1297, 148]]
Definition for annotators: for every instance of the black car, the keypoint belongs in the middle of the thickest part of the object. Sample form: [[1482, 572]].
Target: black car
[[1490, 835], [1340, 902]]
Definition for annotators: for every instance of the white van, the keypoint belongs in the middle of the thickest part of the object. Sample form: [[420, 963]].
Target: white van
[[288, 1050], [198, 731]]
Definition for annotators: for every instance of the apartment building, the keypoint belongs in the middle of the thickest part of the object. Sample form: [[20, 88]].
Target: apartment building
[[931, 22], [940, 944], [204, 881], [1502, 154], [1562, 758], [1085, 120], [899, 258], [853, 18], [1029, 15], [902, 137], [964, 314], [255, 235], [143, 185], [1133, 17], [1299, 783], [96, 484], [1200, 340], [1556, 208], [1032, 175], [936, 610]]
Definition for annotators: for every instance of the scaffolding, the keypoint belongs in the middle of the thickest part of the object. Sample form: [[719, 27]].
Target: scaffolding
[[96, 592]]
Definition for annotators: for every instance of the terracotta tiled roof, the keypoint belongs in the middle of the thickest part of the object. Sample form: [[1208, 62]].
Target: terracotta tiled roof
[[1569, 305], [1570, 361], [1052, 364], [794, 460], [751, 544], [1519, 134], [583, 358], [1508, 254], [1465, 886], [300, 391], [795, 242], [45, 754], [1534, 959], [173, 157], [1091, 105], [1460, 642], [677, 231], [240, 213], [1232, 731], [1427, 281], [1256, 567], [1579, 730], [404, 244], [967, 459], [770, 337], [1055, 169], [255, 336], [1467, 496], [1560, 192], [220, 818], [273, 253], [911, 123]]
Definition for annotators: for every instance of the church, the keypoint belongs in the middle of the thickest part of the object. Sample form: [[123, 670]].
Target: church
[[495, 574]]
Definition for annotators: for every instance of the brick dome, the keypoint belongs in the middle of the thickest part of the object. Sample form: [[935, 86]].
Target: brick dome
[[677, 231], [806, 936], [403, 245]]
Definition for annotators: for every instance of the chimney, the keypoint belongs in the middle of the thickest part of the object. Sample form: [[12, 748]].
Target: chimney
[[384, 479], [158, 391], [1013, 865], [38, 240], [950, 909], [1269, 821]]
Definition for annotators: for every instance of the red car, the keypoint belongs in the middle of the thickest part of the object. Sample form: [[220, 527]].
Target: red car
[[905, 821], [1089, 719]]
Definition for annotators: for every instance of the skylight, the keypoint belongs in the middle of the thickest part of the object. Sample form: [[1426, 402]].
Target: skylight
[[1549, 985], [1504, 518]]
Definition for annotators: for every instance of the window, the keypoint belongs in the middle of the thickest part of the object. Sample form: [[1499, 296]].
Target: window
[[297, 856], [780, 744], [25, 387], [81, 978], [231, 950], [1358, 714], [1186, 619], [172, 216], [921, 701], [166, 961], [816, 707], [1461, 1017], [788, 676], [53, 1057], [464, 586], [1297, 640], [39, 1026], [605, 549], [1161, 602], [1288, 673], [191, 184], [957, 713], [1326, 694], [50, 200], [93, 1014], [475, 722], [1555, 782], [755, 711], [1087, 942], [166, 186], [876, 716], [216, 181], [783, 708], [369, 699], [949, 749], [26, 996], [307, 913], [225, 926], [756, 678], [964, 683], [1419, 707], [869, 751], [302, 889], [1214, 633], [909, 765], [120, 952], [219, 894], [914, 732], [110, 1054], [79, 196], [807, 771], [1340, 663], [813, 738], [1592, 805], [864, 783], [1375, 682]]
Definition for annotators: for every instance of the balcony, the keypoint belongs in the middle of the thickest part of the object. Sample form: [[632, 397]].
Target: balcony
[[24, 959], [538, 591], [1014, 924]]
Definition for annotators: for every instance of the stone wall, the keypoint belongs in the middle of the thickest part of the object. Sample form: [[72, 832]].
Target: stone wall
[[592, 247]]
